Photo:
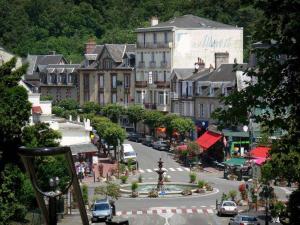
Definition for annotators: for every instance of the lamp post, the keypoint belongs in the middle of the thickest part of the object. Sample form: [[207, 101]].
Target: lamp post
[[28, 155]]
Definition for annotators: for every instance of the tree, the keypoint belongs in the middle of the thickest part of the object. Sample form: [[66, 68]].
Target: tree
[[182, 126], [135, 114], [113, 134], [40, 135], [68, 104], [153, 119], [14, 110], [91, 108], [167, 120], [110, 189], [113, 112]]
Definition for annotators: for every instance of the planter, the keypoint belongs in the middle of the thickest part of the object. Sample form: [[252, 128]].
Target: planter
[[186, 192], [200, 190], [134, 194]]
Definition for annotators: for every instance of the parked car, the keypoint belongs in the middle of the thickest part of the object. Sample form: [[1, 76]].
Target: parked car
[[161, 145], [148, 140], [227, 208], [136, 137], [244, 219], [128, 153], [101, 210]]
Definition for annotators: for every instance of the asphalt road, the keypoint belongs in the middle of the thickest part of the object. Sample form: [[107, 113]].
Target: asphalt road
[[178, 210]]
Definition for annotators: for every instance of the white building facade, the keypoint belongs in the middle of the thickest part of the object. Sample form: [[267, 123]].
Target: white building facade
[[178, 43]]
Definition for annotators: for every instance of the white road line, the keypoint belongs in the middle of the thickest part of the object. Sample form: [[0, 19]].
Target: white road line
[[210, 211], [148, 170], [119, 213], [199, 211], [149, 212], [129, 213], [164, 169], [203, 206], [189, 211], [139, 212], [194, 206], [179, 169], [187, 169], [179, 211], [142, 171], [158, 211], [172, 169], [213, 206], [169, 211]]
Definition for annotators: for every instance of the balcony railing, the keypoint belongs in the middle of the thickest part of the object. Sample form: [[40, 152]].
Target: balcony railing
[[164, 64], [150, 105], [173, 95], [141, 65], [140, 84], [162, 84], [152, 64], [152, 45]]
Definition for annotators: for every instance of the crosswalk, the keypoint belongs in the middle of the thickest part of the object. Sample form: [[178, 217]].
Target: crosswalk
[[178, 169]]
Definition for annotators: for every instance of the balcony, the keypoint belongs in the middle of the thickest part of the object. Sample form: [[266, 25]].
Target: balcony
[[150, 105], [140, 84], [152, 64], [163, 108], [162, 84], [152, 45], [173, 95], [164, 64], [141, 65]]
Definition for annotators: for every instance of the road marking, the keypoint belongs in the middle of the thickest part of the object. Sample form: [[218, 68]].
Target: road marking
[[129, 213], [148, 170], [178, 211], [179, 169], [149, 212], [210, 211], [188, 211], [139, 212], [119, 213], [172, 169], [187, 169], [142, 171], [165, 169], [199, 211]]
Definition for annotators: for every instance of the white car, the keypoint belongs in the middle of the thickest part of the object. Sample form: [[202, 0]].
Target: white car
[[128, 153], [227, 208]]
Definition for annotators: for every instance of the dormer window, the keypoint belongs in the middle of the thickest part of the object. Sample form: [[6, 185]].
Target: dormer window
[[107, 63], [211, 91]]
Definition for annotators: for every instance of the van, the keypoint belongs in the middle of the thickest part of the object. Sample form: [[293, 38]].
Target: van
[[128, 153]]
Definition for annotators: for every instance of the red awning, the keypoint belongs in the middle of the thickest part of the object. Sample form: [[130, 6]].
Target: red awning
[[208, 139], [36, 110], [260, 152]]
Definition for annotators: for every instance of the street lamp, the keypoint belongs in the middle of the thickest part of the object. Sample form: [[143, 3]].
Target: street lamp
[[28, 155]]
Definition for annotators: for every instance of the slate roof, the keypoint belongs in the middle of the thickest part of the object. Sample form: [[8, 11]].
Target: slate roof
[[41, 61], [188, 21], [225, 72], [183, 73]]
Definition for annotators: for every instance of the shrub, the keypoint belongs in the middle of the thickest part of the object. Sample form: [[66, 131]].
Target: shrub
[[134, 186], [111, 189], [122, 168], [58, 111], [224, 197], [140, 179], [209, 187], [153, 193], [193, 177], [186, 192], [124, 179], [232, 194], [85, 196], [201, 183]]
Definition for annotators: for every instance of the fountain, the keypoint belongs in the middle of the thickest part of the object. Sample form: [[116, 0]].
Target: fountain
[[160, 172]]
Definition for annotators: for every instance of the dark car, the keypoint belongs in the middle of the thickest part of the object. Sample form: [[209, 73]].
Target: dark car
[[136, 137], [244, 219], [148, 140], [161, 145]]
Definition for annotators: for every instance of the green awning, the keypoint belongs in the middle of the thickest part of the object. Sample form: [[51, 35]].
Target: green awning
[[235, 162]]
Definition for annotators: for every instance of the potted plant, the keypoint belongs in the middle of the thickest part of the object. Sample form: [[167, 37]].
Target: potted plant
[[232, 194], [193, 177], [200, 186], [153, 193], [140, 179], [134, 187], [186, 192], [209, 187], [124, 179]]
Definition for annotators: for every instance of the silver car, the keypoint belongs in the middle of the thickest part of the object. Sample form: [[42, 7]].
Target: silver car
[[101, 210], [243, 219], [227, 208]]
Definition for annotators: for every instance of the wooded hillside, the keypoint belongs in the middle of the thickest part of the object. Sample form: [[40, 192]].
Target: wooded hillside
[[40, 26]]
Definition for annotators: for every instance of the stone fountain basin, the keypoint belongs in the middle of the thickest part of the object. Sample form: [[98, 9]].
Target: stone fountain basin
[[142, 190]]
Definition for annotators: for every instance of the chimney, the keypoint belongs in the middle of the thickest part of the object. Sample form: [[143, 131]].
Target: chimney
[[154, 21], [90, 46], [221, 58]]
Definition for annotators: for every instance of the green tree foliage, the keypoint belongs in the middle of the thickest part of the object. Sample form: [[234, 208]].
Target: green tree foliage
[[40, 26], [135, 114], [167, 120], [40, 135], [91, 108], [113, 111], [114, 133], [153, 119], [14, 110], [110, 189], [182, 126], [16, 195], [68, 104]]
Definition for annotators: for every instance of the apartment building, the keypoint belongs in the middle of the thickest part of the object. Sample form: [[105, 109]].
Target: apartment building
[[176, 44], [107, 74]]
